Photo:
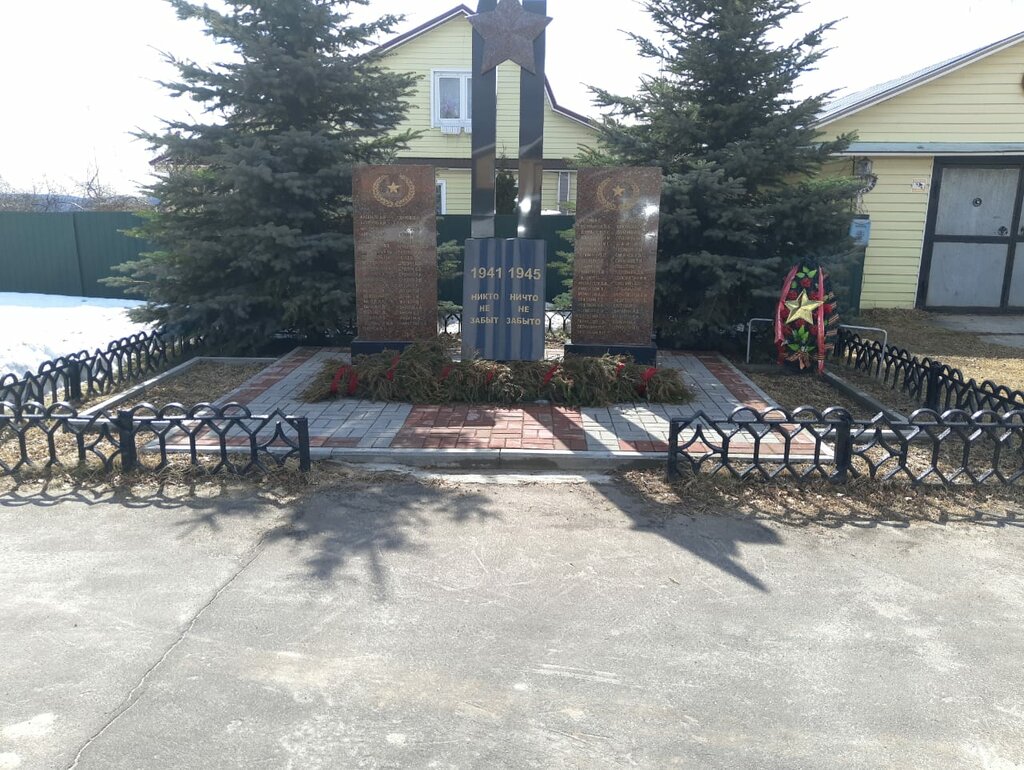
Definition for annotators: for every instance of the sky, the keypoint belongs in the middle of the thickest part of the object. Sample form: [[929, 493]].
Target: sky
[[78, 76]]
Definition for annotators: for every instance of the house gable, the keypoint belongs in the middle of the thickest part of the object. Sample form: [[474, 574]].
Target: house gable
[[972, 101], [445, 45]]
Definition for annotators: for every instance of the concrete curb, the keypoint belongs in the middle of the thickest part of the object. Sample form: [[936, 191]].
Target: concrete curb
[[504, 459], [861, 397]]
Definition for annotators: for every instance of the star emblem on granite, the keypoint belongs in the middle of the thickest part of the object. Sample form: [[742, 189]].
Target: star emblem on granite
[[393, 188], [619, 191], [803, 308], [508, 33]]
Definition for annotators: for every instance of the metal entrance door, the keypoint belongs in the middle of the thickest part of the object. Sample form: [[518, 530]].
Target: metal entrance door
[[974, 228]]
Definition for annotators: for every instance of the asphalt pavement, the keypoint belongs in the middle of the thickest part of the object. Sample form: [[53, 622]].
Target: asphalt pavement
[[488, 624]]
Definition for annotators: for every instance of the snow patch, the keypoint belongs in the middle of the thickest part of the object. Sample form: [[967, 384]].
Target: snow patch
[[39, 327], [36, 727]]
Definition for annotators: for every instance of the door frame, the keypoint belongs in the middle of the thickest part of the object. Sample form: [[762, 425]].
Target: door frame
[[930, 238]]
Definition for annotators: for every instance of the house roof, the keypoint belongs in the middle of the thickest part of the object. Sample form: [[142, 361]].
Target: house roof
[[847, 105], [465, 11]]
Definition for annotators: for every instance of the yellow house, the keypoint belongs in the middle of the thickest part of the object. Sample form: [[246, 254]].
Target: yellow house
[[441, 52], [942, 155]]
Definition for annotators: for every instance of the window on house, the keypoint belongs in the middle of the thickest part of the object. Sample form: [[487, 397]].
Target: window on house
[[564, 188], [441, 196], [453, 101]]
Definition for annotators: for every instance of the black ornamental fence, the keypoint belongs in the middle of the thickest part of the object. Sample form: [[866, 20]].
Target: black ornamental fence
[[934, 385], [83, 375], [215, 439], [41, 426], [956, 447], [555, 322]]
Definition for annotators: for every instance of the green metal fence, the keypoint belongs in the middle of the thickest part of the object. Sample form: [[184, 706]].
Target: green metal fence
[[71, 253], [65, 253]]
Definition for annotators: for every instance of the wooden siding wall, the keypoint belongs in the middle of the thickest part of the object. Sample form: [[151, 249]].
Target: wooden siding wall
[[983, 102], [449, 47]]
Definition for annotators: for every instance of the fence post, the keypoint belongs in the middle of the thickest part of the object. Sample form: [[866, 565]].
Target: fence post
[[126, 438], [931, 400], [673, 450], [302, 425], [75, 380], [844, 449]]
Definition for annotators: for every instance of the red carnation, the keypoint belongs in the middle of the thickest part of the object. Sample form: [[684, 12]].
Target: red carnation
[[490, 376], [792, 295], [806, 283], [618, 369]]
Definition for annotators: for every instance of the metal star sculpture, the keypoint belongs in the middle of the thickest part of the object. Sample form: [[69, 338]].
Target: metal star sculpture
[[508, 33], [803, 308]]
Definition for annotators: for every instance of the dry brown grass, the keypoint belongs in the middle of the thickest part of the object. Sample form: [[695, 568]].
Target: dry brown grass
[[203, 382], [860, 503], [916, 331]]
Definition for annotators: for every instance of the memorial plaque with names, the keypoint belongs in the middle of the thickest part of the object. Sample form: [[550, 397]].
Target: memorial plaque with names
[[395, 220], [503, 299], [617, 217]]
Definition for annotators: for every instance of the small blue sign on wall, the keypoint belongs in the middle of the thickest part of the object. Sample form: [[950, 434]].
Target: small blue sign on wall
[[860, 230], [503, 299]]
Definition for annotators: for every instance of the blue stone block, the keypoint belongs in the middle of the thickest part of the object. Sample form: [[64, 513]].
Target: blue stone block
[[503, 299]]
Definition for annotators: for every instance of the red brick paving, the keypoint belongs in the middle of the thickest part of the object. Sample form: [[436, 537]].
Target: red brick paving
[[463, 426], [733, 381]]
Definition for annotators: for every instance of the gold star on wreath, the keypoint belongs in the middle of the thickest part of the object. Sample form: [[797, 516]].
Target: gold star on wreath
[[393, 188], [508, 33], [803, 308]]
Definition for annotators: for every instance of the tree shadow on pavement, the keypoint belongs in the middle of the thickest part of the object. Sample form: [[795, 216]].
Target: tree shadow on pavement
[[714, 540], [366, 521], [333, 516]]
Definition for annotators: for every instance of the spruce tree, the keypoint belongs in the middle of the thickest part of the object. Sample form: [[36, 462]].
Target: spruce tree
[[740, 155], [253, 232]]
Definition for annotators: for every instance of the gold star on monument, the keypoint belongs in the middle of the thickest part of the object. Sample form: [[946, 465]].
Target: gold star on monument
[[508, 33], [803, 308], [393, 188], [619, 191]]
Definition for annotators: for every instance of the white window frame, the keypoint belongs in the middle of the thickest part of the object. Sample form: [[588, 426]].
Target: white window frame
[[465, 122], [563, 205], [443, 184]]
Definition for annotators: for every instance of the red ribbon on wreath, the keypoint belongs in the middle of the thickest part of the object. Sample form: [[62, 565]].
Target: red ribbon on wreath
[[619, 368], [390, 374], [339, 377], [645, 380], [550, 373], [336, 382], [821, 321], [780, 313], [490, 376], [445, 373]]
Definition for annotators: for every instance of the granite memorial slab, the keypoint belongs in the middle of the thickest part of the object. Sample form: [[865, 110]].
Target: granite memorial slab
[[395, 221], [503, 299], [617, 218]]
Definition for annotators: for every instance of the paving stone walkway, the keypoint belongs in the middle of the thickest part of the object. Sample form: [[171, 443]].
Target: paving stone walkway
[[350, 428]]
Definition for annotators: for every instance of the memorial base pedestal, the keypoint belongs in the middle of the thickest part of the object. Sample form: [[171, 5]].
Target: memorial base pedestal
[[642, 354], [372, 347]]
